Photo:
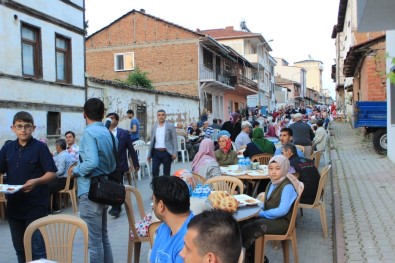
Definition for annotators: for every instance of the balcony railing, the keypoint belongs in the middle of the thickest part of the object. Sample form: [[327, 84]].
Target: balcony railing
[[210, 75]]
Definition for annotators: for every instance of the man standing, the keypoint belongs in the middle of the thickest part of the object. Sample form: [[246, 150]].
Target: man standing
[[302, 134], [124, 143], [286, 136], [212, 236], [163, 147], [62, 161], [171, 206], [27, 162], [72, 148], [134, 126], [243, 138], [96, 159]]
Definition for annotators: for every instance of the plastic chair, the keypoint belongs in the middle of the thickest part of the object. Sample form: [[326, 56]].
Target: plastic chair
[[182, 147], [3, 201], [142, 152], [319, 199], [152, 231], [199, 179], [290, 235], [58, 232], [134, 244], [139, 142], [262, 158], [70, 191], [226, 183], [316, 156]]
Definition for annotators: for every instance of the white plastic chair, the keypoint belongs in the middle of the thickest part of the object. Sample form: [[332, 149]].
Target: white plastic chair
[[182, 147], [234, 146], [139, 142], [142, 152]]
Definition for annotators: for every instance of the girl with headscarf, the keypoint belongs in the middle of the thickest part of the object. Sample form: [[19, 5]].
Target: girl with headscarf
[[225, 155], [277, 205], [259, 144], [233, 126], [204, 162]]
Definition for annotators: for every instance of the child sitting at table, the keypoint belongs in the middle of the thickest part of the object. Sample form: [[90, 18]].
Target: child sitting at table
[[276, 211]]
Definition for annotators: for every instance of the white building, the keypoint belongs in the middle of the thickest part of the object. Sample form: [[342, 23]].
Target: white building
[[42, 65]]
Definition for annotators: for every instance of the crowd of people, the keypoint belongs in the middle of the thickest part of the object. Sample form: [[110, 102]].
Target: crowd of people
[[183, 237]]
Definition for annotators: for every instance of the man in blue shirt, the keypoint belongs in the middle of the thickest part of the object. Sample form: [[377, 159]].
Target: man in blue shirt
[[171, 206], [27, 162], [62, 161], [134, 126], [96, 159]]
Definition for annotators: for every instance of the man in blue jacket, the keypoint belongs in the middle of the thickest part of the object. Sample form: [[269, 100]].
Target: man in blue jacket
[[124, 143]]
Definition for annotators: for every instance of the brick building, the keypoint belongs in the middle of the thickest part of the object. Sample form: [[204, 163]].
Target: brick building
[[177, 59]]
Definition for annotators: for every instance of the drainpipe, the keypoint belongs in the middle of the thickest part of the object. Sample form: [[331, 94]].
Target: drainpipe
[[84, 41]]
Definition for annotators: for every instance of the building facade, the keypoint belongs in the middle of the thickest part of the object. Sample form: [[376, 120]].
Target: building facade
[[176, 59], [42, 65]]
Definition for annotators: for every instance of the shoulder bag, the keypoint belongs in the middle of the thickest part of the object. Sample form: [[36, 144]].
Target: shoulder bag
[[104, 190]]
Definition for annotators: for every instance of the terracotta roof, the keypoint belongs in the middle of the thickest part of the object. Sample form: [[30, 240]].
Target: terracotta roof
[[228, 32], [151, 16]]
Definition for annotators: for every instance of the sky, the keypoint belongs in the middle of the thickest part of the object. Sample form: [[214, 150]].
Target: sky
[[300, 29]]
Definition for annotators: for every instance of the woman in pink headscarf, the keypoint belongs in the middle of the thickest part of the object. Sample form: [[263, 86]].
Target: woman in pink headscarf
[[204, 162]]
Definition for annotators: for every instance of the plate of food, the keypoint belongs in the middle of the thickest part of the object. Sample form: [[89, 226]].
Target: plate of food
[[258, 172], [244, 200], [9, 189], [235, 172]]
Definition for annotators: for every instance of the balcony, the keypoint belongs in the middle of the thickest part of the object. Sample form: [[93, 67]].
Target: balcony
[[215, 79]]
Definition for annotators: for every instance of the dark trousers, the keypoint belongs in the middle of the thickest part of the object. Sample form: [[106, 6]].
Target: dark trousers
[[117, 177], [158, 158], [18, 228], [55, 186]]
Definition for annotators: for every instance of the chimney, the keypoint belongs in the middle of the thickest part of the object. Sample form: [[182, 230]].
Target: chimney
[[229, 28], [142, 11]]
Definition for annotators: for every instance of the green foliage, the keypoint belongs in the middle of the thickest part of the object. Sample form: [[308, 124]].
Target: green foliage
[[139, 78]]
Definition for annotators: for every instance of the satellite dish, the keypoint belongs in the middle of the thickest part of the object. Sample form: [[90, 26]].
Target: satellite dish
[[243, 26]]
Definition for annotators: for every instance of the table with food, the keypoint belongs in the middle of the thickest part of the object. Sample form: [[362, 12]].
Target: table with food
[[252, 175]]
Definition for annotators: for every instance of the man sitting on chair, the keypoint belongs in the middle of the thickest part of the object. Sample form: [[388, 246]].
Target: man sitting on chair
[[308, 173], [171, 206], [286, 137], [62, 161], [212, 236]]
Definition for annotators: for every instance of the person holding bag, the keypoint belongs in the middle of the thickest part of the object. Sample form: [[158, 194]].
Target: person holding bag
[[97, 160]]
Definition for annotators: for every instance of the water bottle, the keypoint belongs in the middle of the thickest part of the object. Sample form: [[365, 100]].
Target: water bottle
[[240, 163], [244, 164], [206, 191], [248, 163], [199, 190]]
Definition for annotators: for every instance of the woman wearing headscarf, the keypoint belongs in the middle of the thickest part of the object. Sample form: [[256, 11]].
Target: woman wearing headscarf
[[204, 162], [277, 205], [225, 155], [233, 126], [259, 144]]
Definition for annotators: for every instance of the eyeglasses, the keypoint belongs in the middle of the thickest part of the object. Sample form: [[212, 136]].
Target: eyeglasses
[[23, 127]]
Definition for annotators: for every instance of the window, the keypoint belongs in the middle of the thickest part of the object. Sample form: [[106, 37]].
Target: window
[[124, 61], [208, 59], [63, 59], [31, 52], [53, 123]]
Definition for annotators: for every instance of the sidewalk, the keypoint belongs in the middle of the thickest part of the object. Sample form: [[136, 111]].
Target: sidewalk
[[364, 197]]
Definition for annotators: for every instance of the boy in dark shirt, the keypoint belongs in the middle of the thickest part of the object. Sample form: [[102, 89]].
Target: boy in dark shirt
[[27, 162]]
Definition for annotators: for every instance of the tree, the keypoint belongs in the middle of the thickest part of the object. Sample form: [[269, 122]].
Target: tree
[[139, 78]]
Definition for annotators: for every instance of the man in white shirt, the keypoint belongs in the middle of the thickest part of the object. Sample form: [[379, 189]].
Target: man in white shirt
[[72, 148], [163, 147], [243, 138]]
